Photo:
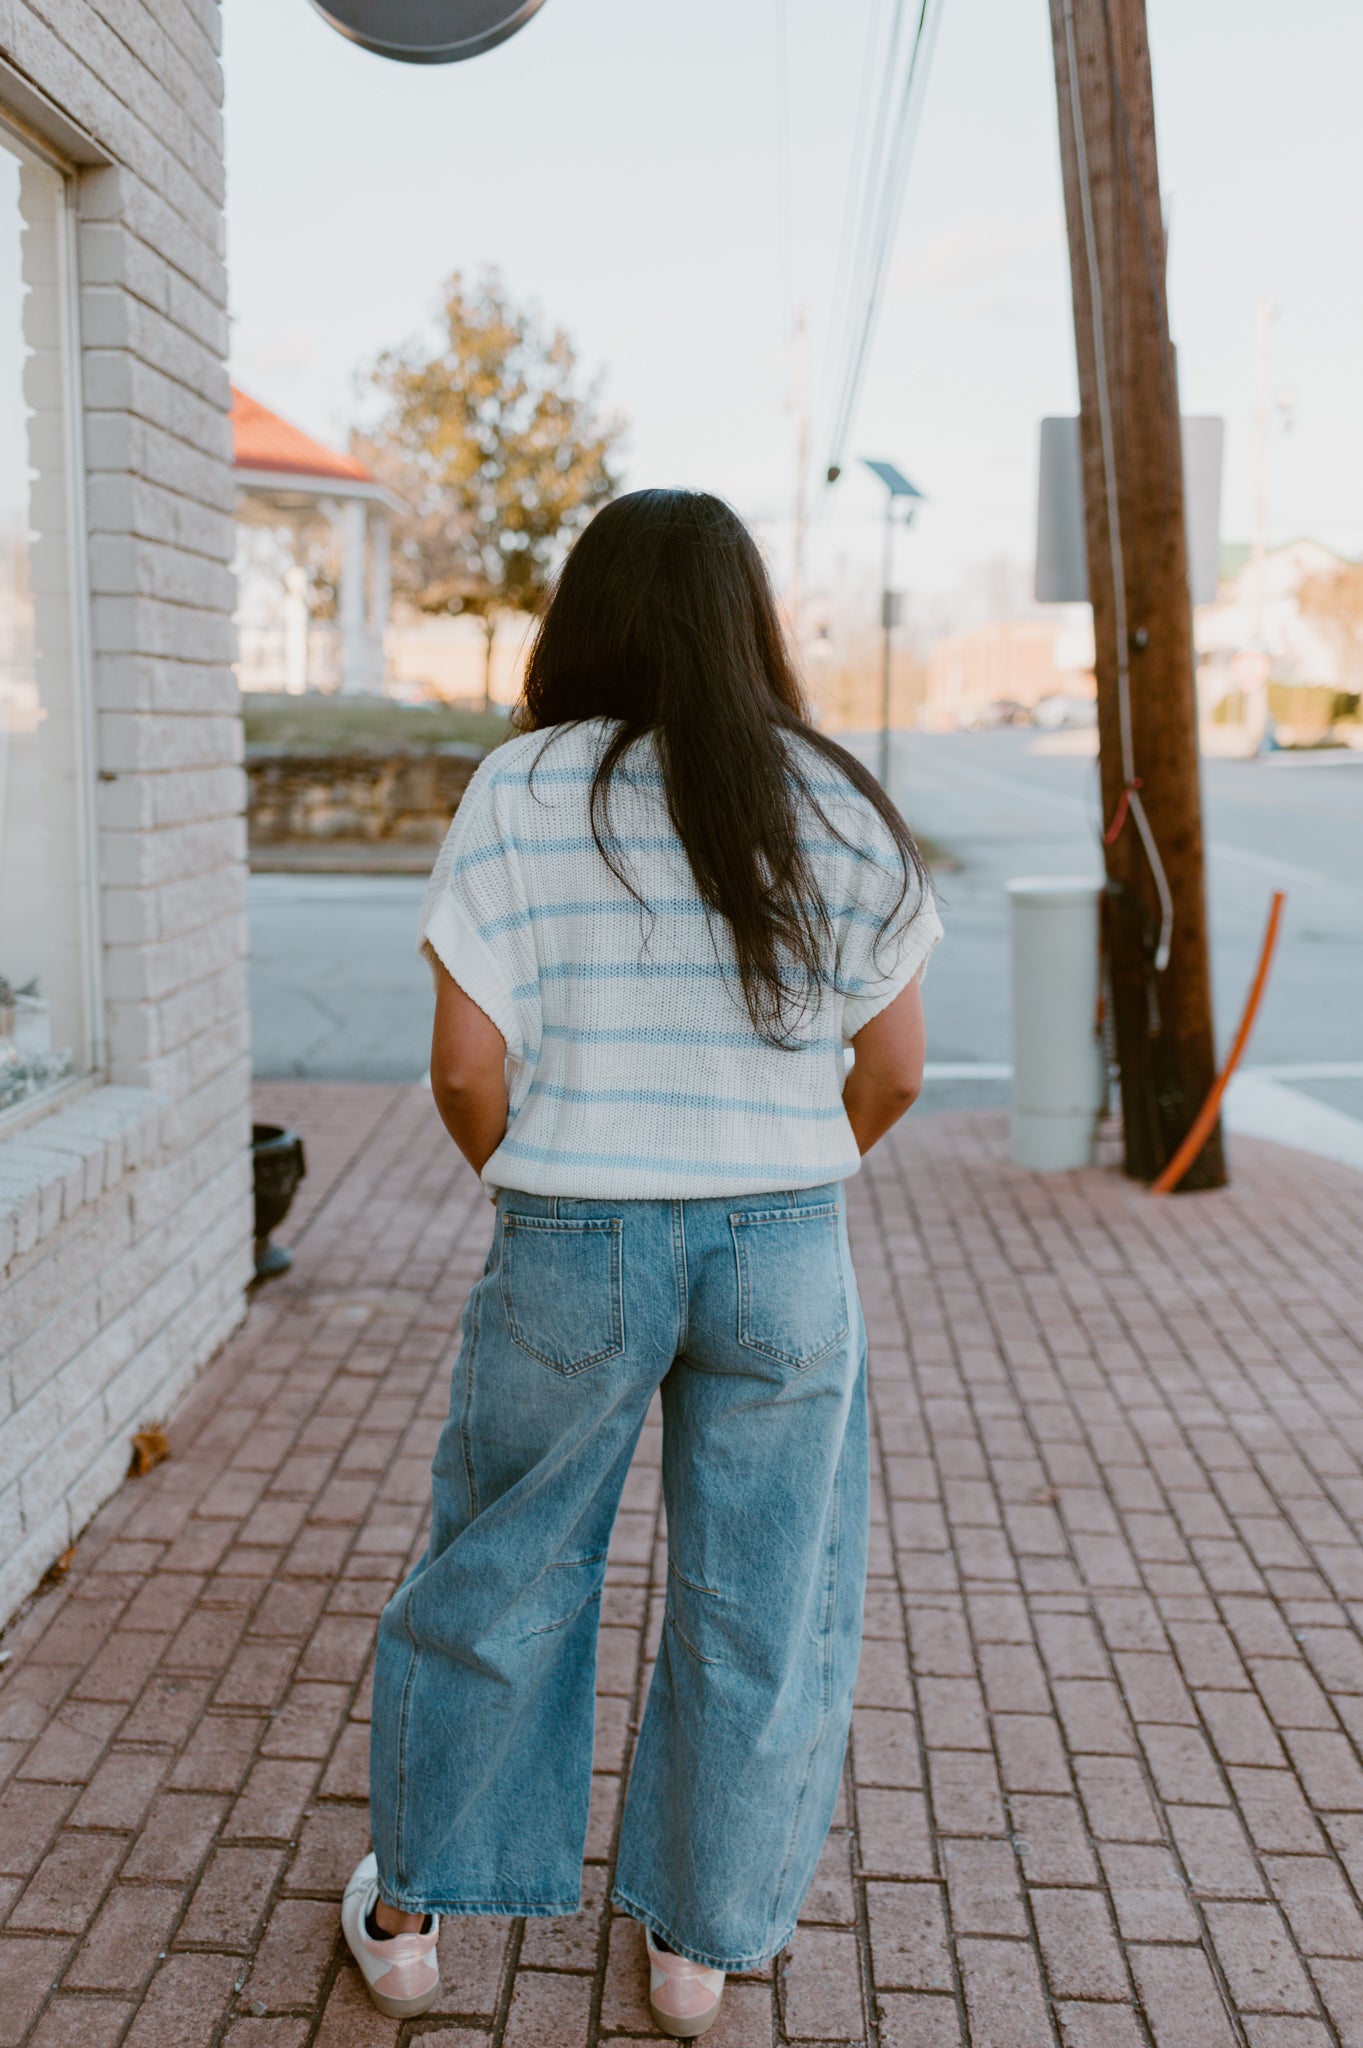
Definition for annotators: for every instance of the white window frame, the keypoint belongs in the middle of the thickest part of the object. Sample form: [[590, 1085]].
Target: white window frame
[[93, 1048]]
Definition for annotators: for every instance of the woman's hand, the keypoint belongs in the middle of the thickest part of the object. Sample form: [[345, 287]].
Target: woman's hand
[[888, 1074], [468, 1072]]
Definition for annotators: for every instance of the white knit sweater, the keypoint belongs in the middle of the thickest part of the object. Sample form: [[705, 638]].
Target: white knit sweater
[[633, 1067]]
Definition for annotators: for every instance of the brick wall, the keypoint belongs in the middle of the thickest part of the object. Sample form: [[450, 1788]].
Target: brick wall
[[124, 1214]]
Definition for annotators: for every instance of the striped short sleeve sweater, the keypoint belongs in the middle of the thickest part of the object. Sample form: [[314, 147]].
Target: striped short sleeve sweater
[[633, 1068]]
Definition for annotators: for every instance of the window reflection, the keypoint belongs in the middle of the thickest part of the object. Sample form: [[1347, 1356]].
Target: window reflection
[[42, 947]]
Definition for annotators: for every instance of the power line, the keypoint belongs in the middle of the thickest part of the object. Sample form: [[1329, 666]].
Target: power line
[[886, 217], [860, 135], [886, 180], [872, 191], [875, 163], [865, 182], [784, 228]]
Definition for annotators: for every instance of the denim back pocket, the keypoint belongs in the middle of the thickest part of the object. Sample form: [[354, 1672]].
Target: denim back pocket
[[561, 1288], [792, 1297]]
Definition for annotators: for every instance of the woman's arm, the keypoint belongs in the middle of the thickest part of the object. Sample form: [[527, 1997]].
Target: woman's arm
[[468, 1072], [888, 1073]]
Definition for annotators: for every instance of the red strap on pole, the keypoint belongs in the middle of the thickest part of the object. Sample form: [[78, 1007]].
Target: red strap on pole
[[1114, 830]]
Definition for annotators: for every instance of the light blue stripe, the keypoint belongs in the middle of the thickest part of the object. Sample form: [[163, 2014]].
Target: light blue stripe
[[662, 1098], [666, 906], [652, 1162], [658, 970], [580, 842], [507, 777], [537, 913], [718, 1041], [645, 970], [649, 778], [517, 778], [638, 970], [573, 842]]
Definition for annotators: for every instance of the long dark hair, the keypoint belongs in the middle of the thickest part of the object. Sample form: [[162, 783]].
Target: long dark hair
[[663, 618]]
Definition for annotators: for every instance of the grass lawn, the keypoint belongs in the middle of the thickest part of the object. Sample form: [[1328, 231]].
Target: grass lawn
[[315, 724]]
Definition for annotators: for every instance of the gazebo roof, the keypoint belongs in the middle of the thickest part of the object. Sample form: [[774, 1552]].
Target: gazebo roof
[[261, 440], [283, 473]]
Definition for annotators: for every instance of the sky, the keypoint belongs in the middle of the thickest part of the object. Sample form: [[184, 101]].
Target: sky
[[618, 161]]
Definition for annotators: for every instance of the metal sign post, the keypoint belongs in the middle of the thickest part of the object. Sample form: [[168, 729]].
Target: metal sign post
[[427, 31], [898, 488]]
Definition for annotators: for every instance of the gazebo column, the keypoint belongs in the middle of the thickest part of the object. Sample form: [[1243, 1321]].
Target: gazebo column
[[354, 653], [297, 620], [380, 594]]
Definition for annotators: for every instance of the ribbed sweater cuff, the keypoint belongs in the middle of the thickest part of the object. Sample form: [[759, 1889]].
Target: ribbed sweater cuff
[[449, 934]]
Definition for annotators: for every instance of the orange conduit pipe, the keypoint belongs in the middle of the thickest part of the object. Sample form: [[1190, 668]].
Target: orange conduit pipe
[[1197, 1137]]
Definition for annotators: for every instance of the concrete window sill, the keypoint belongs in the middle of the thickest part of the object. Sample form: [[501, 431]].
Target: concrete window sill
[[54, 1167]]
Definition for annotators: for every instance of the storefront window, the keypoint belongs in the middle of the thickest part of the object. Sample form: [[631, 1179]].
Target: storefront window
[[46, 1003]]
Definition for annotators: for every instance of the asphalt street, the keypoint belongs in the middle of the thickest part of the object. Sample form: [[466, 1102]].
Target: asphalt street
[[1003, 805], [338, 992]]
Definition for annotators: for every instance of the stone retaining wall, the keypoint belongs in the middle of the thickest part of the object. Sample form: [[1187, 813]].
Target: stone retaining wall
[[402, 798]]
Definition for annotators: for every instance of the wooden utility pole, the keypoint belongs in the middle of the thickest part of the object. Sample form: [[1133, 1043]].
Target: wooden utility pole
[[1138, 582]]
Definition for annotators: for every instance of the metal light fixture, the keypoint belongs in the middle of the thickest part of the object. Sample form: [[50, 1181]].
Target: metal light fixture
[[897, 487], [427, 31]]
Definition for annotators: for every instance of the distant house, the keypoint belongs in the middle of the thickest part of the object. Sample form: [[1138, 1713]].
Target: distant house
[[1259, 606], [313, 559], [1018, 661]]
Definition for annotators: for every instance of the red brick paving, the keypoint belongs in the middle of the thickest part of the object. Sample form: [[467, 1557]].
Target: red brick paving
[[1105, 1787]]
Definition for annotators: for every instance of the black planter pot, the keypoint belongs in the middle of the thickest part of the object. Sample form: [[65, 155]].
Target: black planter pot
[[278, 1166]]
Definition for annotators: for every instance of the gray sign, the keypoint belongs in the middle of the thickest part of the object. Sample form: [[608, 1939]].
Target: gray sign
[[427, 31], [1062, 575]]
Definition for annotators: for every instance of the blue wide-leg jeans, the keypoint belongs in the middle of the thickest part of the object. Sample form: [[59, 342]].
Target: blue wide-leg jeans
[[744, 1311]]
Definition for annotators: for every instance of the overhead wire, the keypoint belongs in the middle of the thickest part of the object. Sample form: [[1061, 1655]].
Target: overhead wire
[[864, 197], [793, 314], [896, 183], [886, 178], [884, 26], [852, 198], [784, 225]]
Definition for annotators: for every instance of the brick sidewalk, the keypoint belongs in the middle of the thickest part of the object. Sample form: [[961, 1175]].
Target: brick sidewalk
[[1105, 1784]]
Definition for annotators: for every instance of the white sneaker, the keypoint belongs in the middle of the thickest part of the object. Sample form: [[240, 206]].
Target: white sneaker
[[683, 1997], [401, 1972]]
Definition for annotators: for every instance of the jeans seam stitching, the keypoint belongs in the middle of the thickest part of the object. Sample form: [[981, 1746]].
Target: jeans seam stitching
[[788, 1357], [682, 1276], [553, 1909], [465, 1433], [549, 1628], [682, 1636], [742, 1266], [694, 1584], [637, 1910], [830, 1595], [404, 1716], [825, 1684]]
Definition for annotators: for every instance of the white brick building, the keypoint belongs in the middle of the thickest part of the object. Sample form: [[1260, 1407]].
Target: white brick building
[[125, 1226]]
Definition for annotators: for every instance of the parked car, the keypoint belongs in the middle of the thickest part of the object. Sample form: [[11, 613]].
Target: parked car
[[1059, 711], [999, 711]]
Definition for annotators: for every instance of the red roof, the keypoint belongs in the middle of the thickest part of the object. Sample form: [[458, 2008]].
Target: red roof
[[262, 440]]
